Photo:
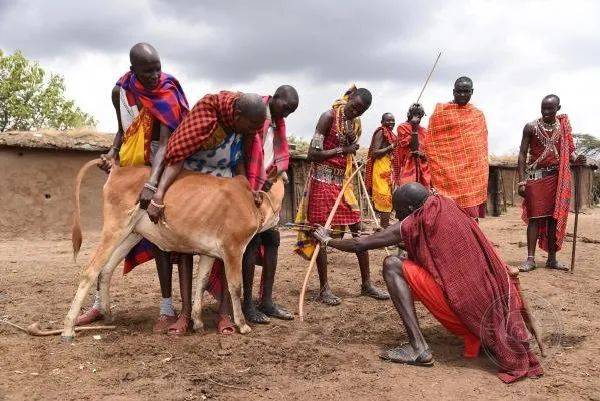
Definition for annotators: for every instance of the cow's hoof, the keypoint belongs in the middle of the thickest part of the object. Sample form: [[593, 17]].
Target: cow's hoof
[[245, 329], [67, 339], [198, 327]]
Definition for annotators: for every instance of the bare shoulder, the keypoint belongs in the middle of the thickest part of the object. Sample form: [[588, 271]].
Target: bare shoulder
[[529, 128], [115, 95]]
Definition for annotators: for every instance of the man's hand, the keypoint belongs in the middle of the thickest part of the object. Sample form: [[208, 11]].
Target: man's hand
[[321, 234], [419, 154], [580, 160], [414, 121], [156, 209], [350, 149], [145, 197], [258, 198], [521, 190], [107, 160]]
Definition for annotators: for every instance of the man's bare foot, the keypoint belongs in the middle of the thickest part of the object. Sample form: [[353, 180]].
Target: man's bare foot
[[224, 325], [181, 327], [254, 315], [273, 310], [162, 324], [370, 290], [92, 315], [406, 354], [556, 265], [326, 296], [528, 265]]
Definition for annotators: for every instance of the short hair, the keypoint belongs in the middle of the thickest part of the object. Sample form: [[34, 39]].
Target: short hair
[[286, 91], [465, 80], [413, 194], [142, 51], [416, 108], [386, 114], [551, 97], [365, 95]]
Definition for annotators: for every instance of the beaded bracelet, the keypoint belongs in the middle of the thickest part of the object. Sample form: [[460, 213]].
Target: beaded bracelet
[[150, 187], [156, 205]]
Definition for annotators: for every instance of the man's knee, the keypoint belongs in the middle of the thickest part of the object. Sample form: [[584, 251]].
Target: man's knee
[[271, 238], [392, 267]]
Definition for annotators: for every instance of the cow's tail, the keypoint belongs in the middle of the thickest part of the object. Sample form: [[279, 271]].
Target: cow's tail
[[76, 234]]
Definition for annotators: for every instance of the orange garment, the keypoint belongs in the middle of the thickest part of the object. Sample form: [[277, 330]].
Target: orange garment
[[412, 169], [428, 292], [457, 150]]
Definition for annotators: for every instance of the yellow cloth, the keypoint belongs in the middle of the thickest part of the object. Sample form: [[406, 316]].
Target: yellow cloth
[[135, 149], [382, 184], [349, 196]]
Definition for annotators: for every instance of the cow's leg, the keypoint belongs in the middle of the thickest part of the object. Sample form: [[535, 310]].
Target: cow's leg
[[109, 254], [204, 268], [233, 272], [107, 272]]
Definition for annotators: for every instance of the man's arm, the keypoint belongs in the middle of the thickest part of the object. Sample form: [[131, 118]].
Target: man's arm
[[379, 148], [155, 209], [391, 236], [113, 152], [315, 151], [158, 165], [525, 141]]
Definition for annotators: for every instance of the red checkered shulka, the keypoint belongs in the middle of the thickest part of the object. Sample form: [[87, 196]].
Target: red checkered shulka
[[323, 191]]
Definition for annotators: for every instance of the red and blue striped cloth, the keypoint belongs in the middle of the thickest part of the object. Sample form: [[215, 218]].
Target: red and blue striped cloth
[[167, 102]]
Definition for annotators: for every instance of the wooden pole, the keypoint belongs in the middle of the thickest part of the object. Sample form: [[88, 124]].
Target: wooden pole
[[577, 202], [429, 76], [313, 260]]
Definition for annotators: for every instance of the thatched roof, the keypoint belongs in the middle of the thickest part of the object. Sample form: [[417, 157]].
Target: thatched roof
[[82, 140]]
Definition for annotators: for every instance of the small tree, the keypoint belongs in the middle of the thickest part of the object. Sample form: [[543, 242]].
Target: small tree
[[28, 101]]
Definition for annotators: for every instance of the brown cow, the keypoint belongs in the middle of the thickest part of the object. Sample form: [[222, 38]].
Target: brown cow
[[211, 216]]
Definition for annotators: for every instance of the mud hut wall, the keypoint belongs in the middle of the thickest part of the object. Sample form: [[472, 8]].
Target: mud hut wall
[[38, 189]]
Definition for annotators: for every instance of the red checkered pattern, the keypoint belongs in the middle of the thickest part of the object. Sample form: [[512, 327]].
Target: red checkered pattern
[[200, 124], [391, 138], [411, 169], [322, 198], [457, 151]]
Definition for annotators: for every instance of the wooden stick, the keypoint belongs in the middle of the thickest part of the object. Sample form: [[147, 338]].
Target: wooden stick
[[577, 206], [34, 329], [369, 204], [313, 260], [429, 76]]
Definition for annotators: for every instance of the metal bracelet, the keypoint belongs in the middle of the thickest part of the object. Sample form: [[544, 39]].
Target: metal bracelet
[[326, 241], [156, 205], [150, 187]]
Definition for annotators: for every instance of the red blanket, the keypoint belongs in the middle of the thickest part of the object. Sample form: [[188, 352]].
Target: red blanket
[[412, 169], [452, 248]]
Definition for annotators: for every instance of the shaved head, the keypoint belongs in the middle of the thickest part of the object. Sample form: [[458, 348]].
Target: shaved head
[[250, 113], [551, 98], [408, 198], [287, 92], [143, 53], [415, 109], [463, 81], [365, 95]]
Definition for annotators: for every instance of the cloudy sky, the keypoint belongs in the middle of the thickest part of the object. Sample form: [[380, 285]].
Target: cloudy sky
[[515, 51]]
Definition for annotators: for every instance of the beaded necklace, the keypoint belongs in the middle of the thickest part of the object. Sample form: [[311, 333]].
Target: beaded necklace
[[343, 127], [548, 135]]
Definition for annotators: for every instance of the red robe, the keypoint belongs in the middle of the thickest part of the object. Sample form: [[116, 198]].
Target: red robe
[[445, 241], [412, 169]]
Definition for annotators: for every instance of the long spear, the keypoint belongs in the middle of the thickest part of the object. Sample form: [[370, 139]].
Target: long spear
[[429, 76]]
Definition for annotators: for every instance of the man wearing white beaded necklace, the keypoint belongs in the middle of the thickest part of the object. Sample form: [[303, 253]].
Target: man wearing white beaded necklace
[[545, 181], [336, 138]]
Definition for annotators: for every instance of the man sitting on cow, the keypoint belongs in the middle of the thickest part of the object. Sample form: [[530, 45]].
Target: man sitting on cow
[[209, 140], [149, 105]]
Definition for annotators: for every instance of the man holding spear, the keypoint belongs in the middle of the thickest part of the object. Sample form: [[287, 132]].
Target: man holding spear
[[332, 152]]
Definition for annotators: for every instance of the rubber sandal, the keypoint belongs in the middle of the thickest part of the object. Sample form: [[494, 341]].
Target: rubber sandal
[[406, 355], [92, 315], [224, 326]]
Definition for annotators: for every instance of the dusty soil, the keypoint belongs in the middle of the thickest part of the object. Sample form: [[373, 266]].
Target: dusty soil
[[332, 355]]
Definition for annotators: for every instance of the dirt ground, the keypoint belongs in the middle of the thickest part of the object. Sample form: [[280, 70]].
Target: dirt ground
[[331, 356]]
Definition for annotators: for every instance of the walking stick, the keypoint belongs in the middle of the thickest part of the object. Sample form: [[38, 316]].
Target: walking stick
[[429, 76], [313, 260], [577, 206]]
